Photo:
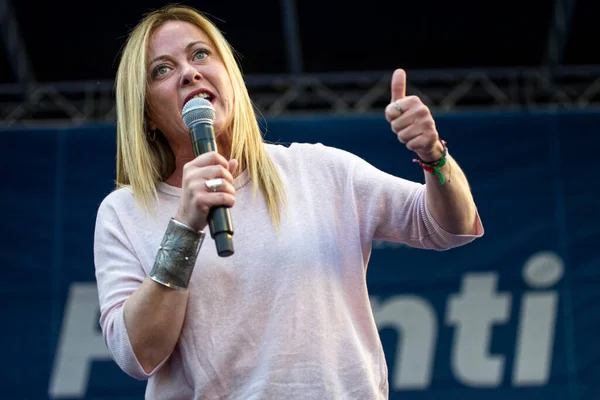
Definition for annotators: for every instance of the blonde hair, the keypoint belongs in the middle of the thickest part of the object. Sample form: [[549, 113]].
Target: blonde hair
[[143, 163]]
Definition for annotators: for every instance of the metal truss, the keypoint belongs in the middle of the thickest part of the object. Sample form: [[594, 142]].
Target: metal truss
[[330, 93], [560, 27], [14, 45]]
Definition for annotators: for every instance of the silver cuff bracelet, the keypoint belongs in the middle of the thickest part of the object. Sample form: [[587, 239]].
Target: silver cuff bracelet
[[177, 255]]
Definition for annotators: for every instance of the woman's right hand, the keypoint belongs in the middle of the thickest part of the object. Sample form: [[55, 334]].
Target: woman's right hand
[[196, 199]]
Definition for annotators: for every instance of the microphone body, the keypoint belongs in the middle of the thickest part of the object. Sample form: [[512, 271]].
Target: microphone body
[[203, 140]]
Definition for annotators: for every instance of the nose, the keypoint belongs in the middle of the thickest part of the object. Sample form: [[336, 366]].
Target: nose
[[189, 75]]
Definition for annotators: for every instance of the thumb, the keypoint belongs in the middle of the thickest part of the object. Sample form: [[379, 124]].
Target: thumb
[[398, 85], [233, 164]]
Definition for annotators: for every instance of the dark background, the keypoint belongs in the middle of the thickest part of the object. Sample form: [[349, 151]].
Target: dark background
[[74, 40]]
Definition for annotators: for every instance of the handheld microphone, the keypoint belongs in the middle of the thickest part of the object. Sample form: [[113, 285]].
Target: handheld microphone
[[198, 115]]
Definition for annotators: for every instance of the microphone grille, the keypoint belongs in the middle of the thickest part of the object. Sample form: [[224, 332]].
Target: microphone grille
[[198, 110]]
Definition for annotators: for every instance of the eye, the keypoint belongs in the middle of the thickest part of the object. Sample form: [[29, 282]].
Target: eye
[[201, 54], [160, 70]]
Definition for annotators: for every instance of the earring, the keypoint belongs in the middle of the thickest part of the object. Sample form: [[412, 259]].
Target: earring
[[152, 135]]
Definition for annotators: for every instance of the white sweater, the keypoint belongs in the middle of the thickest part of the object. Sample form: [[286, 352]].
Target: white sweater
[[287, 316]]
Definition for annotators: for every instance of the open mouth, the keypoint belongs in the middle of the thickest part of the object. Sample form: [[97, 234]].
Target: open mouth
[[204, 95], [201, 95]]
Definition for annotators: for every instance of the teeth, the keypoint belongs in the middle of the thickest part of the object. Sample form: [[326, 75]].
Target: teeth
[[202, 96]]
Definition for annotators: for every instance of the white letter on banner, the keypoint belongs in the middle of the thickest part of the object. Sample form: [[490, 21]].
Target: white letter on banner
[[415, 321], [474, 311], [79, 344]]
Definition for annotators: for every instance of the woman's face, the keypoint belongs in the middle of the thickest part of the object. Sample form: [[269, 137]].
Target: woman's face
[[183, 63]]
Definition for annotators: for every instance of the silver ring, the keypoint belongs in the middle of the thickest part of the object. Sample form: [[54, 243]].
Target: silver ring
[[214, 184], [398, 107]]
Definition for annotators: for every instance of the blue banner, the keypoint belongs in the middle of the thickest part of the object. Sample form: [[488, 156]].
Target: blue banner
[[511, 315]]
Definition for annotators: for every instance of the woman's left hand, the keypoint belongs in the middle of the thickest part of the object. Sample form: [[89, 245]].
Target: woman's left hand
[[412, 121]]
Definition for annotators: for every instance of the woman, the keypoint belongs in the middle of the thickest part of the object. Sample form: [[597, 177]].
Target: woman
[[288, 315]]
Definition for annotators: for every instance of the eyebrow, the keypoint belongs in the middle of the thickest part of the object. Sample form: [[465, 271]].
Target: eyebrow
[[190, 45]]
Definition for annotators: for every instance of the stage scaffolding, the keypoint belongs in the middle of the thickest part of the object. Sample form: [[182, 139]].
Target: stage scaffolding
[[331, 93], [551, 86]]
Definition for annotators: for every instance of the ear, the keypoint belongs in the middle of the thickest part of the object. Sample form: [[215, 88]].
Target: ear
[[150, 124]]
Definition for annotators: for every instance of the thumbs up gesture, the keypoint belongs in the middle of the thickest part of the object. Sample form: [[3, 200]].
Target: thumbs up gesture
[[412, 121]]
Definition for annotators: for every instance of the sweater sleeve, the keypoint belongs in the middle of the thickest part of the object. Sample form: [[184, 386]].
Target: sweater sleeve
[[118, 274], [395, 209]]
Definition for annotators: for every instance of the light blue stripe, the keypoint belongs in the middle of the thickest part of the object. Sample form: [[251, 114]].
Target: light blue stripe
[[58, 244], [563, 245]]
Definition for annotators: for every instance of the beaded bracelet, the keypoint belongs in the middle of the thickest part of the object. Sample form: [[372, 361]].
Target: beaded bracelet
[[433, 167]]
